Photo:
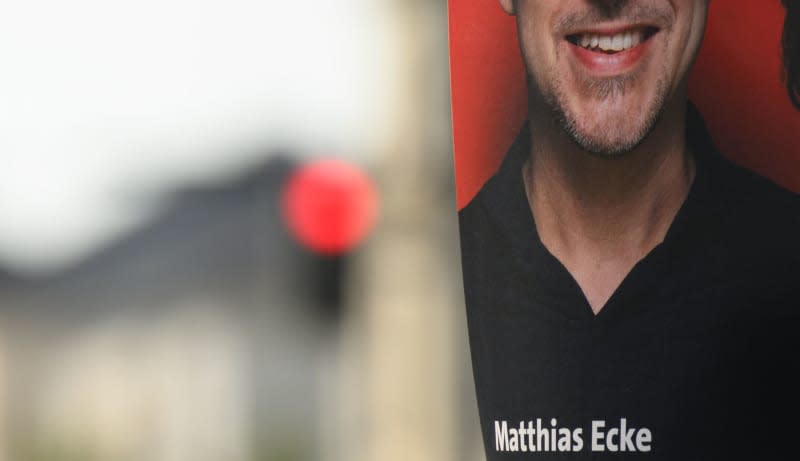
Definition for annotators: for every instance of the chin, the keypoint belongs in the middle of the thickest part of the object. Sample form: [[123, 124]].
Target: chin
[[609, 137], [605, 147]]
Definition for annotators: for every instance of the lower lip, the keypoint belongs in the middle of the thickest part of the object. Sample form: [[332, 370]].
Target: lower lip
[[606, 65]]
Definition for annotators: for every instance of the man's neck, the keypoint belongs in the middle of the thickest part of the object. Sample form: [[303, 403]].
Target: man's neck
[[600, 216]]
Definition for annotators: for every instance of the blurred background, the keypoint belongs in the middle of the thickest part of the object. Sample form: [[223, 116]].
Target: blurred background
[[154, 304]]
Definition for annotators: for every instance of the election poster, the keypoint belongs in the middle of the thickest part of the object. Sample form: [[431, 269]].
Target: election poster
[[626, 178]]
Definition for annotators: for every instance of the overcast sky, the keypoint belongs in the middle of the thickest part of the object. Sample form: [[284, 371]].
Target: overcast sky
[[104, 101]]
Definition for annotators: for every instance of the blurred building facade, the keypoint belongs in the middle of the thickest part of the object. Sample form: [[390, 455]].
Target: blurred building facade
[[208, 334]]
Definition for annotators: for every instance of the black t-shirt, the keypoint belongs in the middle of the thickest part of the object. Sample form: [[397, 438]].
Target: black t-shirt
[[694, 356]]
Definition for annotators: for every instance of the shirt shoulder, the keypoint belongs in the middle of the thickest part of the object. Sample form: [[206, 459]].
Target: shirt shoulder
[[482, 240], [757, 204], [760, 229]]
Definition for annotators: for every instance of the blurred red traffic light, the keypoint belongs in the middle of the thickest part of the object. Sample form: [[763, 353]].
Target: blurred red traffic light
[[329, 205]]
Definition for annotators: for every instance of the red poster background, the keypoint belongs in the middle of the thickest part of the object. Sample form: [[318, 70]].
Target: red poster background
[[736, 84]]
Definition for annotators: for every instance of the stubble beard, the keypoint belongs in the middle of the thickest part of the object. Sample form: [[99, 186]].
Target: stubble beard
[[611, 142]]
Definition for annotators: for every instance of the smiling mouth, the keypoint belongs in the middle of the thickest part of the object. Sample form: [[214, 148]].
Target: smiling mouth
[[612, 43]]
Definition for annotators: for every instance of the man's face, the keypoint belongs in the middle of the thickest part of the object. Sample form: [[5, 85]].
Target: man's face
[[608, 68]]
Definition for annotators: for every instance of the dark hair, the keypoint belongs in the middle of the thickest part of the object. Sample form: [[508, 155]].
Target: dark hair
[[791, 50]]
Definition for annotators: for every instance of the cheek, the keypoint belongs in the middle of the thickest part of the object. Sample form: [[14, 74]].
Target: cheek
[[687, 39], [534, 20], [696, 30], [539, 54]]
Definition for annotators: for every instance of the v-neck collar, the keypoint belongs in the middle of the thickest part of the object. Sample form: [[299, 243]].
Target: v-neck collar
[[506, 202]]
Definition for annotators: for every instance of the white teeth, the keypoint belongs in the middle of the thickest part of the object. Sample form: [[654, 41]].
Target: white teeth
[[618, 42]]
